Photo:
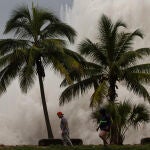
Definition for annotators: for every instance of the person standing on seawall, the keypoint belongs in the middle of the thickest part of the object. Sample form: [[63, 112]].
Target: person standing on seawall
[[104, 125], [65, 129]]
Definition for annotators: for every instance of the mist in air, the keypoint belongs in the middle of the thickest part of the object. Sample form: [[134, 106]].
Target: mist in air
[[21, 116]]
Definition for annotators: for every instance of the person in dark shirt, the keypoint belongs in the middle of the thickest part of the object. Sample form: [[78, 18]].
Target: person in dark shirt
[[104, 125]]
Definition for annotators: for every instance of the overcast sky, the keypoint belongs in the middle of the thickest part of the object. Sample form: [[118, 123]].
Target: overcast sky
[[6, 6]]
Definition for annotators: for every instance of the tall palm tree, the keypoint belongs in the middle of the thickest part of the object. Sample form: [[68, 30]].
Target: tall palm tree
[[39, 41], [124, 115], [113, 60]]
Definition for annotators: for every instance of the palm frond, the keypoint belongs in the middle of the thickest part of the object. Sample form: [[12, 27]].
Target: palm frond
[[14, 57], [59, 29], [58, 66], [9, 45], [17, 14], [105, 28], [107, 39], [87, 48], [75, 55], [140, 114], [118, 24], [76, 89], [143, 51], [43, 15], [74, 76], [27, 72], [137, 88], [120, 47], [128, 58], [88, 70], [143, 78], [27, 77], [99, 94], [142, 68], [111, 50], [22, 30], [29, 22], [129, 39], [7, 74], [124, 109], [52, 45]]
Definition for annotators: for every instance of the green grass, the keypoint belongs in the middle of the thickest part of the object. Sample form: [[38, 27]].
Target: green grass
[[90, 147]]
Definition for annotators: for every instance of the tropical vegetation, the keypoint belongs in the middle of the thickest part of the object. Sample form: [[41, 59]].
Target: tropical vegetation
[[40, 41], [112, 60], [123, 115]]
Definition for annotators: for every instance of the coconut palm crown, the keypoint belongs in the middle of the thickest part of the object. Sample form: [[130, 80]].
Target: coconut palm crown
[[113, 59], [39, 41]]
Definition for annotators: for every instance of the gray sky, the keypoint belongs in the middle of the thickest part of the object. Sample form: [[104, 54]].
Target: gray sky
[[6, 6]]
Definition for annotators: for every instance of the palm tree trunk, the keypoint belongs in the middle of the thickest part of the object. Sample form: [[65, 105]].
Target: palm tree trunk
[[113, 135], [40, 75], [112, 98], [112, 89]]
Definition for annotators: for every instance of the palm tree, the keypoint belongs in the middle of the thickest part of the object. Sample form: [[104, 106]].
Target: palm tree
[[124, 115], [37, 43], [113, 60]]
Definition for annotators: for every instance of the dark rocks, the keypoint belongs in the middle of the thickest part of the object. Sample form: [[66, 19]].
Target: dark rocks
[[145, 140], [47, 142]]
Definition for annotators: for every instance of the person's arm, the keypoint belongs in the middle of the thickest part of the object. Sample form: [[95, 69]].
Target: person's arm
[[101, 122], [97, 128]]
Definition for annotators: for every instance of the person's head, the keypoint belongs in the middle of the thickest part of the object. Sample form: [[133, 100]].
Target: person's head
[[60, 114], [102, 111]]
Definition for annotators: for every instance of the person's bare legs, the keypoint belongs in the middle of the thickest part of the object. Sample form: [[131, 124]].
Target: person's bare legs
[[103, 135]]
